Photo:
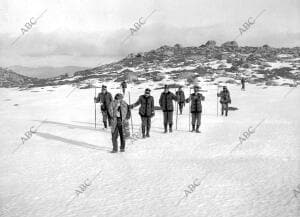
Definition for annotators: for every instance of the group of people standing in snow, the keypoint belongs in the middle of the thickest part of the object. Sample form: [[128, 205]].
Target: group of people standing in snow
[[116, 112]]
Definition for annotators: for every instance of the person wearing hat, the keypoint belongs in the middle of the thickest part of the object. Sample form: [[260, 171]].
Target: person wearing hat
[[224, 100], [124, 86], [166, 104], [146, 111], [196, 108], [120, 113], [181, 99], [104, 98]]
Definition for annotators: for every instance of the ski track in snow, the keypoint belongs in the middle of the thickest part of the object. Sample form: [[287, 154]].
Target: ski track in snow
[[257, 179]]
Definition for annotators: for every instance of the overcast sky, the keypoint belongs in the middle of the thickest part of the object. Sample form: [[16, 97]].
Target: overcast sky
[[90, 32]]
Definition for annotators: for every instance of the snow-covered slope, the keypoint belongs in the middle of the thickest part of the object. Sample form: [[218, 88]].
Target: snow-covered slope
[[256, 179]]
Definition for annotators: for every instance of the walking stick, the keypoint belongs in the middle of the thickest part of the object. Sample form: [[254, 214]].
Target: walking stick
[[95, 108], [176, 110], [190, 111], [217, 101], [130, 115], [176, 114]]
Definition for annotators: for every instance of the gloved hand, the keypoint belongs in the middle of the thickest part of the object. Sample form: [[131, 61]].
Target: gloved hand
[[152, 114], [95, 100]]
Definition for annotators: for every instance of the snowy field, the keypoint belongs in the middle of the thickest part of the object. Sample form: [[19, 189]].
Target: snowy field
[[256, 178]]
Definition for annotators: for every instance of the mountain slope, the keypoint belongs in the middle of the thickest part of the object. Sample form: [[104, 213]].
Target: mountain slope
[[272, 66], [46, 72], [209, 62], [9, 78]]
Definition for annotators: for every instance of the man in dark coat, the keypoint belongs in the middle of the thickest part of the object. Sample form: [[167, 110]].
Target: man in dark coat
[[243, 83], [124, 86], [181, 98], [224, 99], [120, 113], [104, 98], [146, 111], [196, 108], [166, 104]]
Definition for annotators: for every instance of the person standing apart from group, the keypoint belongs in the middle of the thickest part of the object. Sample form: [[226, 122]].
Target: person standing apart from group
[[243, 83], [166, 104]]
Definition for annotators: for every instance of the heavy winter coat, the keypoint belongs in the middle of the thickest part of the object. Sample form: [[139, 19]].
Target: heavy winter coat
[[124, 84], [105, 99], [147, 105], [180, 96], [165, 101], [195, 99], [224, 96], [113, 110]]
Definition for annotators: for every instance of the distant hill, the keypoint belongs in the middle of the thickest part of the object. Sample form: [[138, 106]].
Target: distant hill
[[46, 72], [9, 78]]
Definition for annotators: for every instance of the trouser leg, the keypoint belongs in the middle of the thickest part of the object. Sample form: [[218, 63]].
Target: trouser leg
[[170, 117], [108, 118], [170, 121], [120, 129], [226, 109], [198, 120], [193, 121], [148, 126], [222, 108], [180, 107], [194, 118], [144, 123], [104, 118], [115, 139], [165, 120], [165, 117]]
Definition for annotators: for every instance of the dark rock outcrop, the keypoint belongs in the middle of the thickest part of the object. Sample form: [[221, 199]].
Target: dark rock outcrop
[[210, 44], [230, 44]]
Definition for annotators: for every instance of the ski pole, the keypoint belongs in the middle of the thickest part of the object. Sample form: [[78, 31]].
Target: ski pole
[[217, 101], [190, 111], [95, 108], [176, 103], [131, 114], [176, 114]]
